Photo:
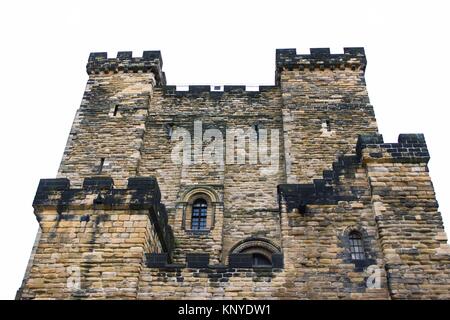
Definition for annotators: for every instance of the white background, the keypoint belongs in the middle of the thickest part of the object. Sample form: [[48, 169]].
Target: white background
[[45, 46]]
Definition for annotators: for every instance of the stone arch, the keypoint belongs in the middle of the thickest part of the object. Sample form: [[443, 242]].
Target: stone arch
[[357, 228], [256, 245], [209, 192], [367, 245], [188, 199]]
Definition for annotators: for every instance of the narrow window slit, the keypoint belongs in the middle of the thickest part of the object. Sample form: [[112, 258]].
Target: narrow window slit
[[100, 167], [116, 109], [256, 127], [328, 125], [169, 130]]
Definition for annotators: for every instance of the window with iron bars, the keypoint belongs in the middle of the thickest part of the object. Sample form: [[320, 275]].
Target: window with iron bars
[[356, 246], [199, 213]]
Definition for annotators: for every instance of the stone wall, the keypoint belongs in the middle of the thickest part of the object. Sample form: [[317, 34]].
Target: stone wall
[[416, 253], [325, 106], [93, 239], [244, 191], [108, 129]]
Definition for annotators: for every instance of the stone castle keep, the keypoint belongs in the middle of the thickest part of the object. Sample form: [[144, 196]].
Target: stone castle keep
[[345, 215]]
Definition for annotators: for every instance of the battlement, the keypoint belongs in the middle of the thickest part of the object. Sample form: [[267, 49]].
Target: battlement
[[98, 193], [151, 61], [201, 261], [216, 91], [410, 148], [321, 58]]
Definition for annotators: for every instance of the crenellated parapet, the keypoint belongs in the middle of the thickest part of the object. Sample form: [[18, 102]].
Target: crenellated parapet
[[151, 61], [410, 148], [98, 193], [142, 194], [198, 90], [202, 261], [319, 58]]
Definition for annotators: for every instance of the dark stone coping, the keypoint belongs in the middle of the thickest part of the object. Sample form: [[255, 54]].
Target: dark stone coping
[[197, 90], [215, 269], [197, 260], [321, 191], [127, 56], [142, 193], [298, 196], [54, 184], [321, 57], [156, 260], [200, 262], [98, 183], [411, 138], [411, 148], [240, 260], [142, 183]]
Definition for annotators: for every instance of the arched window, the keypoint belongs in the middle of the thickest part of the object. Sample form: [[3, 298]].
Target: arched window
[[260, 260], [261, 257], [261, 250], [199, 213], [356, 246]]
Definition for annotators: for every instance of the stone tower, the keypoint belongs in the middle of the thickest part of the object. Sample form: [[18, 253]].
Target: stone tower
[[302, 199]]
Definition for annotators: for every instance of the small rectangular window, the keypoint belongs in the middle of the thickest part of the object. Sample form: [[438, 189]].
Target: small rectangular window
[[100, 167], [116, 110]]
